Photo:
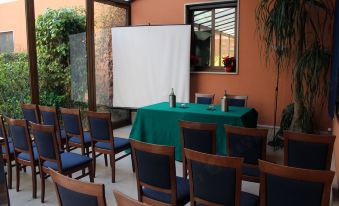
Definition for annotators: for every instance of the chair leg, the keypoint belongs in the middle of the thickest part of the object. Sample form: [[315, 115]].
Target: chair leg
[[87, 151], [184, 170], [34, 181], [17, 168], [94, 161], [83, 153], [9, 172], [42, 177], [91, 173], [24, 168], [112, 160], [106, 162], [133, 168]]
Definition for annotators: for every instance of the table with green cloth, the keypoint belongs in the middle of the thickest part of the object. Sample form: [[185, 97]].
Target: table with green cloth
[[159, 124]]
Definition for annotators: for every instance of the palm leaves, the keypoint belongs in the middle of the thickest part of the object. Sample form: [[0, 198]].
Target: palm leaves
[[299, 31]]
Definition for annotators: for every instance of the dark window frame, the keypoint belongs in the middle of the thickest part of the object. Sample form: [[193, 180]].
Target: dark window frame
[[189, 17]]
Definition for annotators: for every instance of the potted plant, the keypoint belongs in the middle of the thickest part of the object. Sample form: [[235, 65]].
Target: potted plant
[[229, 63], [301, 28]]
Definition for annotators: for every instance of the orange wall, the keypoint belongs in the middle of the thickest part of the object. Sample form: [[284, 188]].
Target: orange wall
[[255, 79], [12, 17]]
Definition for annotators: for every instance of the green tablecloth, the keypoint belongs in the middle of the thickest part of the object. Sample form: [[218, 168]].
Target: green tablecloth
[[159, 124]]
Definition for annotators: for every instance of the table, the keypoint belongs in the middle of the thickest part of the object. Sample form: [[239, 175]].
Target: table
[[159, 124]]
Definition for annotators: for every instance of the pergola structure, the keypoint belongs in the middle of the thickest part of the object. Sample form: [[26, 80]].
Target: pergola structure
[[90, 45]]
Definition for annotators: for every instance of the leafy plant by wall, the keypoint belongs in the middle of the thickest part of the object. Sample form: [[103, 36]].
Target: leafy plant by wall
[[53, 29]]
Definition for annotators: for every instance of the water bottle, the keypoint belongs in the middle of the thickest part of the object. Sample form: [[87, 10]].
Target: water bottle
[[172, 100], [224, 103]]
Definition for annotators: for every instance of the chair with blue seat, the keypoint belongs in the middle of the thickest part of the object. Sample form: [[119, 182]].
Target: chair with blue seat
[[7, 151], [49, 116], [75, 135], [237, 100], [72, 192], [24, 152], [216, 180], [124, 200], [157, 183], [199, 137], [201, 98], [50, 157], [31, 112], [103, 140], [308, 151], [282, 185], [250, 144]]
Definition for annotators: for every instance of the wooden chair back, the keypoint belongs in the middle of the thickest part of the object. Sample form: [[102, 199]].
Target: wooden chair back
[[74, 192], [47, 145], [124, 200], [72, 123], [49, 116], [101, 128], [152, 175], [201, 98], [308, 151], [31, 112], [21, 137], [219, 172], [237, 100], [6, 141], [283, 185]]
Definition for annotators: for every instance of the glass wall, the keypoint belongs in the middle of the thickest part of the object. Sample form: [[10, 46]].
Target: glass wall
[[14, 75], [106, 17]]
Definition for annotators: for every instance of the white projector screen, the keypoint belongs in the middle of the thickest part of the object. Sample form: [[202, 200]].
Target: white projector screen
[[147, 62]]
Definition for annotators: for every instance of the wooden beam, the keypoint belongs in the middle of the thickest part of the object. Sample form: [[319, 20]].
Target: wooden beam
[[90, 55], [32, 53]]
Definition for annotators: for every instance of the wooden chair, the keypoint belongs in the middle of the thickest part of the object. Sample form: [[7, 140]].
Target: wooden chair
[[199, 137], [50, 117], [204, 98], [216, 180], [72, 192], [31, 112], [24, 152], [50, 158], [124, 200], [103, 140], [237, 100], [157, 183], [7, 151], [75, 135], [249, 143], [308, 151], [4, 196], [281, 185]]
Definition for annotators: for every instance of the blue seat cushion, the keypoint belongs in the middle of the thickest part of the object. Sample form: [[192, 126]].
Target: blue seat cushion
[[119, 143], [87, 139], [250, 171], [11, 149], [25, 156], [69, 161], [183, 193], [247, 199]]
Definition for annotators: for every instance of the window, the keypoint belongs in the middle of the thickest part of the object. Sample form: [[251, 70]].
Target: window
[[214, 36], [6, 42]]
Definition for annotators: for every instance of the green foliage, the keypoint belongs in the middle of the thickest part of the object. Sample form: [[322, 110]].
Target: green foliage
[[52, 37], [296, 33], [14, 83]]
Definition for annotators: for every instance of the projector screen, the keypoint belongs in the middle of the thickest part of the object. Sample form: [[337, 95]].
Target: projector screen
[[147, 62]]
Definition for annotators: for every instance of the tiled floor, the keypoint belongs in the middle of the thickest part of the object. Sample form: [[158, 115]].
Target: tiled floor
[[125, 180]]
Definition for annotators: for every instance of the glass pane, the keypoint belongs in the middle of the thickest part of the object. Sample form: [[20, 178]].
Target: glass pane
[[14, 72], [106, 17], [61, 48], [214, 39]]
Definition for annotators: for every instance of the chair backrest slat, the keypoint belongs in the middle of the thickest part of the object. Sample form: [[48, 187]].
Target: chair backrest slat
[[215, 180], [155, 168], [237, 100], [76, 193], [282, 185], [124, 200], [308, 151]]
